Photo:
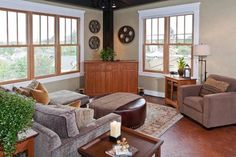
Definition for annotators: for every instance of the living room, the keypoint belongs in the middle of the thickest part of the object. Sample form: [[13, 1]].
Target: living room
[[33, 27]]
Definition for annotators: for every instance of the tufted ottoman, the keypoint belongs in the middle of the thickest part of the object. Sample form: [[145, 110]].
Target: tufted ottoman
[[131, 107]]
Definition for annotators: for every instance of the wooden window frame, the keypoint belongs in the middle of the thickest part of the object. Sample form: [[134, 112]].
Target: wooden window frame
[[65, 44], [167, 43], [30, 46]]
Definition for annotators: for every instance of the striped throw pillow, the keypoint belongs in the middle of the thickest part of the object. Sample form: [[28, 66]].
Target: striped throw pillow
[[212, 86]]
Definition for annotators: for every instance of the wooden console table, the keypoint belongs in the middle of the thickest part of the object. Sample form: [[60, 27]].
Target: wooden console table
[[171, 88], [103, 77]]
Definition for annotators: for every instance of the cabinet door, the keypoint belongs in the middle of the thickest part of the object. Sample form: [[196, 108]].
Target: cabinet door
[[112, 78], [129, 77]]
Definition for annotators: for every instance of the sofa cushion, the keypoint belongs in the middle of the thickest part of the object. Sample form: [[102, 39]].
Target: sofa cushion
[[84, 116], [195, 102], [61, 121], [65, 97], [231, 81], [212, 86]]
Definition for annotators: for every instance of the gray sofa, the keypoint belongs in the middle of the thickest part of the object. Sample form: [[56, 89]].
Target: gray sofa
[[210, 110], [58, 134]]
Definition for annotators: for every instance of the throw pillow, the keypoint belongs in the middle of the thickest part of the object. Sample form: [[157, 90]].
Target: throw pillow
[[60, 120], [40, 94], [75, 104], [84, 116], [21, 91], [212, 86]]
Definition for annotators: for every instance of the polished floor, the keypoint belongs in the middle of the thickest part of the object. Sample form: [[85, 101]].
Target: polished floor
[[189, 139]]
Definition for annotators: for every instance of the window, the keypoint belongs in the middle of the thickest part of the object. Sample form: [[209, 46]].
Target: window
[[44, 45], [167, 39], [69, 44], [13, 46], [37, 45], [165, 35]]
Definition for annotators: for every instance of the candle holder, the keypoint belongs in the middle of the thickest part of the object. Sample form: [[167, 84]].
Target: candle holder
[[115, 131]]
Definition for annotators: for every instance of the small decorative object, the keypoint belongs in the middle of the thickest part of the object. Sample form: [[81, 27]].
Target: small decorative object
[[94, 42], [122, 148], [115, 130], [107, 54], [16, 116], [126, 34], [123, 143], [94, 26], [187, 71], [181, 64]]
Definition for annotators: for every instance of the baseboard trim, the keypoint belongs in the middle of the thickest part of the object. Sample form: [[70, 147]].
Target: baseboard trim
[[154, 93]]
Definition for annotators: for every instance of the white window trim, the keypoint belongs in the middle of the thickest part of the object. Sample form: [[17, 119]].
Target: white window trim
[[193, 8], [45, 8]]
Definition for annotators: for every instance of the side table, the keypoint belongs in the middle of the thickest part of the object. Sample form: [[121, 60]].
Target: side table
[[25, 145], [171, 88]]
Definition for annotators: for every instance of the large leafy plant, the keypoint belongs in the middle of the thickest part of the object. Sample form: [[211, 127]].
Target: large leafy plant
[[107, 54], [16, 114]]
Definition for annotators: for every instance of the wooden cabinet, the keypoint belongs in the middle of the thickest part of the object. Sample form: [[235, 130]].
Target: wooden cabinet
[[171, 89], [109, 77]]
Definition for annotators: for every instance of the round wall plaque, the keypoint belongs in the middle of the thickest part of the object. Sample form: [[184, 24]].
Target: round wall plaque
[[126, 34], [94, 42], [94, 26]]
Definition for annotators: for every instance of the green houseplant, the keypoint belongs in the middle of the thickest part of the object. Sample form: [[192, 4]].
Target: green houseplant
[[107, 54], [16, 113], [181, 64]]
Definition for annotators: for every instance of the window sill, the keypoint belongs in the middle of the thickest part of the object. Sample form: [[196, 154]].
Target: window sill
[[45, 80], [151, 74]]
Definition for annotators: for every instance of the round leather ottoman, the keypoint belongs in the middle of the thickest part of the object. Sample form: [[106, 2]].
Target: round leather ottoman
[[133, 113]]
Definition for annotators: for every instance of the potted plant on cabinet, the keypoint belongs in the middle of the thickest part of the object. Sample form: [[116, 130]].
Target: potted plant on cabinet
[[181, 64], [16, 115], [107, 54]]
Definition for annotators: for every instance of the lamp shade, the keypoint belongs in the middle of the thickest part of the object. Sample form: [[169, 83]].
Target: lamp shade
[[201, 50]]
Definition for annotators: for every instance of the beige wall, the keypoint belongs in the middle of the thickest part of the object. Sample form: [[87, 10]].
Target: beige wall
[[217, 28]]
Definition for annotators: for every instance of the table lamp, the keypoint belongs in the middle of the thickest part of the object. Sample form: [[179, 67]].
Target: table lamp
[[202, 51]]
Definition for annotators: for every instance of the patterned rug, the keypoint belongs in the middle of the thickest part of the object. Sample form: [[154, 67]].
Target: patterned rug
[[159, 119]]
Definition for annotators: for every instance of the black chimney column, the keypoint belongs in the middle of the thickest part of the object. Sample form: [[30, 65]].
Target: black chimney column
[[108, 28]]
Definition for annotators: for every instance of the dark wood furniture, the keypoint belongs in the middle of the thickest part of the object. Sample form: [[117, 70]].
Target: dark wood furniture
[[171, 88], [109, 77], [24, 147], [146, 145]]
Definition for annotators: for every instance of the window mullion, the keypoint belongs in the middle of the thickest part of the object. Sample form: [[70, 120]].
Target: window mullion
[[30, 45], [57, 46], [166, 45]]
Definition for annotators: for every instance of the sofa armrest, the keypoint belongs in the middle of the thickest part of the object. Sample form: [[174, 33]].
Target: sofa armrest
[[219, 109], [46, 141], [187, 90]]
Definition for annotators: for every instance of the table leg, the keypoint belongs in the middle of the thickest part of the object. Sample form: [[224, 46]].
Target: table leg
[[158, 153]]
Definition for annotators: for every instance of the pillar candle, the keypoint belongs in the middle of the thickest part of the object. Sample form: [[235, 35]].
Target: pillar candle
[[115, 129]]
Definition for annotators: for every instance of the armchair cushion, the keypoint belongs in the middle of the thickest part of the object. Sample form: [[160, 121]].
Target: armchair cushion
[[212, 86], [195, 102]]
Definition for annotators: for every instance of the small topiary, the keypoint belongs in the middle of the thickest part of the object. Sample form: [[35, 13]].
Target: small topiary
[[16, 113], [107, 54]]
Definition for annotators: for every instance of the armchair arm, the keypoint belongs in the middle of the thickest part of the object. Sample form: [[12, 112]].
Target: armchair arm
[[187, 90], [46, 141], [219, 109]]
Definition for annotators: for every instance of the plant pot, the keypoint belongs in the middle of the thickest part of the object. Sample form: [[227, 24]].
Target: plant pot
[[181, 72]]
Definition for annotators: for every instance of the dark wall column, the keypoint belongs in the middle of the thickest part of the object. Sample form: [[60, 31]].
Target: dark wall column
[[108, 29]]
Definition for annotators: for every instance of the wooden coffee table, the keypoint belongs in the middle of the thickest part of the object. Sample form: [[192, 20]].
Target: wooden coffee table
[[146, 145]]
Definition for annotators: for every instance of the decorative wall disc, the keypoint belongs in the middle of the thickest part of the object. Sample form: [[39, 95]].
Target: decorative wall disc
[[94, 26], [94, 42], [126, 34]]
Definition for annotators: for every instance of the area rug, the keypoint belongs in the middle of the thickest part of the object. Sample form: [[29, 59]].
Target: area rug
[[159, 119]]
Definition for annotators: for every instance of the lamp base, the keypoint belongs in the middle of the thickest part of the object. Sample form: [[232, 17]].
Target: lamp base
[[114, 139]]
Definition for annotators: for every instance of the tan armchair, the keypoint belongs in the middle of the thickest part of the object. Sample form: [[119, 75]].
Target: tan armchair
[[210, 110]]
